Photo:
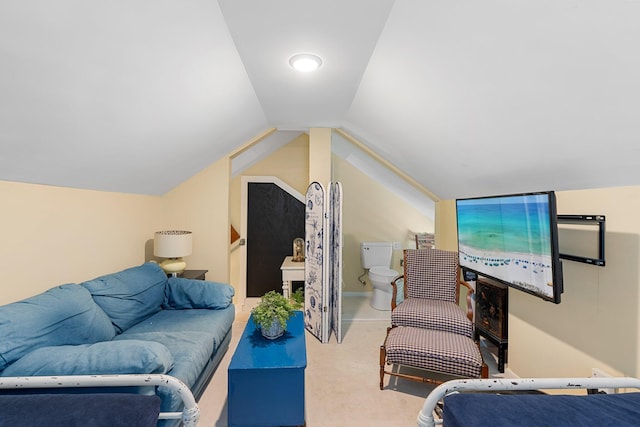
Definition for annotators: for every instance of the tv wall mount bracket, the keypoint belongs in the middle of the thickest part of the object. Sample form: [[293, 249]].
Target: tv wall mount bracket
[[594, 220]]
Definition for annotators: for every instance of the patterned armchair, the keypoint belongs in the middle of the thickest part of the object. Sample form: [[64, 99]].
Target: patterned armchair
[[429, 330], [432, 292]]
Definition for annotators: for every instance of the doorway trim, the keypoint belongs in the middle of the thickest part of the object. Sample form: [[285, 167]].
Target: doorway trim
[[246, 304]]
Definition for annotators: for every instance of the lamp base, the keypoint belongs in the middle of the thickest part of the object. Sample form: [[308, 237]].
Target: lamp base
[[173, 266]]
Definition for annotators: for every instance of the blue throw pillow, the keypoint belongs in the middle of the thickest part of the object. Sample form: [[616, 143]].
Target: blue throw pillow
[[103, 358], [62, 315], [187, 293], [129, 296]]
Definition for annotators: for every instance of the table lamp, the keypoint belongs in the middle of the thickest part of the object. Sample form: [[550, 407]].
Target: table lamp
[[173, 245]]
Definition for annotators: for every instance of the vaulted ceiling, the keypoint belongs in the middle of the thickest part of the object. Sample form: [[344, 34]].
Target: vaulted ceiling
[[467, 97]]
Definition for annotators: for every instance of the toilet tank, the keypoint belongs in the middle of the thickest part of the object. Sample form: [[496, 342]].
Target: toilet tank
[[375, 254]]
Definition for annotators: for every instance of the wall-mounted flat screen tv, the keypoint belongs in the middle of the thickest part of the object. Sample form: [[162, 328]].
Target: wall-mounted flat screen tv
[[512, 239]]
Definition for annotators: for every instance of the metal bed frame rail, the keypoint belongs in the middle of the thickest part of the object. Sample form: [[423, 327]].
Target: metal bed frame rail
[[189, 415], [426, 418]]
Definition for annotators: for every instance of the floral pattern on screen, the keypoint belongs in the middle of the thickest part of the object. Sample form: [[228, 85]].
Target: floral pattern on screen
[[315, 316]]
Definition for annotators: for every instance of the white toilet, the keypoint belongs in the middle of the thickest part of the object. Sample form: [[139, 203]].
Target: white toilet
[[376, 258]]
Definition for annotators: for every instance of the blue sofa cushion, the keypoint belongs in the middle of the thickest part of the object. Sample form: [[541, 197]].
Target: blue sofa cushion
[[64, 315], [131, 295], [191, 352], [213, 323], [187, 293], [103, 358]]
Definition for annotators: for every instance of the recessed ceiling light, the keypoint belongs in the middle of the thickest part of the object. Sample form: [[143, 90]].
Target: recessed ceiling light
[[305, 62]]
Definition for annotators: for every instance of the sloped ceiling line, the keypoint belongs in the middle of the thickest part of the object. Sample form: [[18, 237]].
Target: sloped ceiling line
[[389, 165]]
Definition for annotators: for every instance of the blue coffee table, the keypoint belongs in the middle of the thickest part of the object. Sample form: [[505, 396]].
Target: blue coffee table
[[266, 377]]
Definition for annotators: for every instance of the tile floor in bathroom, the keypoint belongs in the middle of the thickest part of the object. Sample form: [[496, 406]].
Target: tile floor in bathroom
[[355, 306]]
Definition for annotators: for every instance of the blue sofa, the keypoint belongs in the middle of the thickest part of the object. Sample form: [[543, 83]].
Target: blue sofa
[[136, 321]]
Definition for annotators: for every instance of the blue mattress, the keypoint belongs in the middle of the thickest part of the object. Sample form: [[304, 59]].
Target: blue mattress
[[79, 410], [498, 410]]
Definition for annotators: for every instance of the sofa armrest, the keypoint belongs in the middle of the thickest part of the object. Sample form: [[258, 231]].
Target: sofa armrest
[[183, 293], [102, 358]]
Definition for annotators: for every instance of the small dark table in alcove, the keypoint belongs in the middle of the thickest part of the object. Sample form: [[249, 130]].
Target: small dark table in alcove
[[193, 274], [491, 317]]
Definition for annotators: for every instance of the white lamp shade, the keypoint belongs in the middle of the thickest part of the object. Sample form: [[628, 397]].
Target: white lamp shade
[[172, 243]]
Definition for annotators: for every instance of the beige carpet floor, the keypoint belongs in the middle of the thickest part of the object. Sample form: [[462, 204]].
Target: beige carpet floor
[[341, 380]]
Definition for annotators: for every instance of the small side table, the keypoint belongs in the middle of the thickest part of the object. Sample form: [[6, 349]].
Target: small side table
[[291, 271], [192, 274]]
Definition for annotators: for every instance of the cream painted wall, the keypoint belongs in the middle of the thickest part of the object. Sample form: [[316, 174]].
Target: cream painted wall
[[372, 213], [320, 155], [54, 235], [597, 324], [201, 205], [447, 231]]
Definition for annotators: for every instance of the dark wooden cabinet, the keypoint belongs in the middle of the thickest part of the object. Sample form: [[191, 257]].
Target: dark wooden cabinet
[[492, 314], [193, 274]]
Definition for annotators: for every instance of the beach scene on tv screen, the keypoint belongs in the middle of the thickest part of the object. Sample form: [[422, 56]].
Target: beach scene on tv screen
[[508, 238]]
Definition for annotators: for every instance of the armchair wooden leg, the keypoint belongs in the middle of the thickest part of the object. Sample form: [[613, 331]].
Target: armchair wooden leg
[[485, 371], [383, 359]]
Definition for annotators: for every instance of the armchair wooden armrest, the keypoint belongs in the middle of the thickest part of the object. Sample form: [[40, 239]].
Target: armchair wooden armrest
[[394, 293], [470, 292]]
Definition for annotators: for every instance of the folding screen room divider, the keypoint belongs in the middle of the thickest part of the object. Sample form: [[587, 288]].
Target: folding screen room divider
[[323, 261]]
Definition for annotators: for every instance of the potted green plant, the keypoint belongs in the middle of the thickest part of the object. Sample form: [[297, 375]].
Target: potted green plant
[[298, 298], [272, 313]]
